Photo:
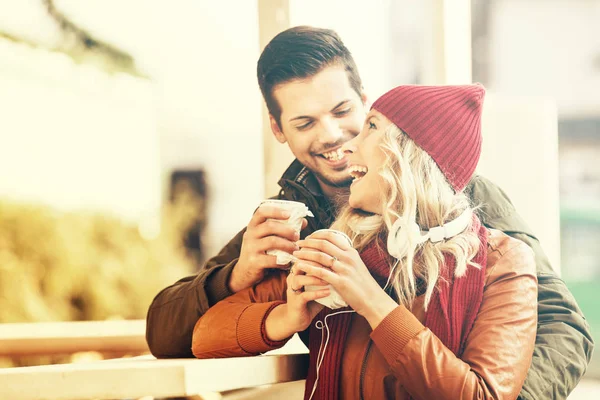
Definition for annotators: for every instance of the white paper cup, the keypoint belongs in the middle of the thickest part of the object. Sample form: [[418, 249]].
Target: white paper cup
[[297, 212], [342, 234], [334, 300]]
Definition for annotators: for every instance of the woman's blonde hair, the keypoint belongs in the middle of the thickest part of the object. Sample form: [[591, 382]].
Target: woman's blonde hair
[[415, 190]]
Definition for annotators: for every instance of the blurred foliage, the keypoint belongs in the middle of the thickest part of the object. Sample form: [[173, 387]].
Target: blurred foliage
[[80, 44], [57, 266]]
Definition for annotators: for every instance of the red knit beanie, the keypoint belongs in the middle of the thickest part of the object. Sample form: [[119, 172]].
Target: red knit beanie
[[445, 121]]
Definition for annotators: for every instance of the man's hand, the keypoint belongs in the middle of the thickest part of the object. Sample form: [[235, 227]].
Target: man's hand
[[264, 232]]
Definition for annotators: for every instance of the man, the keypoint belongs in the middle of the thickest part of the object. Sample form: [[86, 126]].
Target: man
[[316, 102]]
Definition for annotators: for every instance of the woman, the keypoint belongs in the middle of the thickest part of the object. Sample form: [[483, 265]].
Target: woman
[[439, 306]]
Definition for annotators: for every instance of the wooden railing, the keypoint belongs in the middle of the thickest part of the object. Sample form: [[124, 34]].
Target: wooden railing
[[136, 378], [133, 377], [48, 338]]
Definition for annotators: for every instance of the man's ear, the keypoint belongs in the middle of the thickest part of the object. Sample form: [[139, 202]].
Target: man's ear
[[365, 100], [276, 130]]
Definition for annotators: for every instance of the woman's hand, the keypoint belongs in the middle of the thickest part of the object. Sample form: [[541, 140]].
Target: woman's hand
[[328, 256], [300, 309]]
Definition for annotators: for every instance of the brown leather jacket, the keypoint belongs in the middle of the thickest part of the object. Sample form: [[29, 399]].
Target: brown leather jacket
[[401, 356]]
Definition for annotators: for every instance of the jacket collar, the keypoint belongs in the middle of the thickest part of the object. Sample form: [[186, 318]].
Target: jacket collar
[[298, 174], [298, 183]]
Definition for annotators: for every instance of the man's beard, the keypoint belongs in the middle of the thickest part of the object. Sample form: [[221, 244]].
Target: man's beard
[[340, 183]]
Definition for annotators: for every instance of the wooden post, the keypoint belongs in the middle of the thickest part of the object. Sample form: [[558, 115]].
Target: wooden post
[[447, 59], [273, 17]]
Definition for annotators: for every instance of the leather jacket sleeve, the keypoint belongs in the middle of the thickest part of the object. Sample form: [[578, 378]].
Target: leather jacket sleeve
[[234, 327]]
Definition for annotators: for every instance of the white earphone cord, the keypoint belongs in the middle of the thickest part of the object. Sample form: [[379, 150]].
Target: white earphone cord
[[319, 325]]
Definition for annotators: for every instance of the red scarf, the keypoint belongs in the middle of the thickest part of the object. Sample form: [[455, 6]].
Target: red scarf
[[450, 315]]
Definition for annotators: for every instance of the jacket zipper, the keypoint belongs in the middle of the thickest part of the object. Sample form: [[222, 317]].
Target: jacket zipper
[[363, 371]]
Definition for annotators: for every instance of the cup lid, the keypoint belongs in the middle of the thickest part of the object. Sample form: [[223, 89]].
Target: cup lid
[[336, 232], [288, 205]]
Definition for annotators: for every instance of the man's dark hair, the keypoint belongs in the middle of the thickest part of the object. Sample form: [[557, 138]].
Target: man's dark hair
[[299, 53]]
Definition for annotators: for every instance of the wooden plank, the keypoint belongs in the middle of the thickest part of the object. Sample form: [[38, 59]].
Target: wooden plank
[[70, 337], [447, 43], [143, 377], [273, 17]]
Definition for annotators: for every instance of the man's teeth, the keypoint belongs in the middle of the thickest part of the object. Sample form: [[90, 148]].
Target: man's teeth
[[334, 155], [357, 171]]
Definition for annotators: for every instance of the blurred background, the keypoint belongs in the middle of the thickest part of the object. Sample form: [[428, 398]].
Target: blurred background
[[133, 144]]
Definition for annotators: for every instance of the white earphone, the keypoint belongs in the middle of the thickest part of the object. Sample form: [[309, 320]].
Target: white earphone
[[405, 234]]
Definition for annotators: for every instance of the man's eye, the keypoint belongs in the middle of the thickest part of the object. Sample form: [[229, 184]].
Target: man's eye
[[372, 125], [304, 126], [341, 113]]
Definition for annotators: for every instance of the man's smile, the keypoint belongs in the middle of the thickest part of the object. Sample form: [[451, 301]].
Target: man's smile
[[334, 158]]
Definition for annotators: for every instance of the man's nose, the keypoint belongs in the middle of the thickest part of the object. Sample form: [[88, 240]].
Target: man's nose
[[331, 131]]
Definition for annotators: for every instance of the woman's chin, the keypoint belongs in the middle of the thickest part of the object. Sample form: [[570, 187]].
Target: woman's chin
[[354, 201], [358, 204]]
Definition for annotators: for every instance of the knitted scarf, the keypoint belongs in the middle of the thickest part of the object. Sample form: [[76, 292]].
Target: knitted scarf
[[450, 314]]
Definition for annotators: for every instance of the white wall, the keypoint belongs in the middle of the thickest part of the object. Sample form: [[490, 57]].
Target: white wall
[[548, 48], [210, 113], [520, 154], [75, 137]]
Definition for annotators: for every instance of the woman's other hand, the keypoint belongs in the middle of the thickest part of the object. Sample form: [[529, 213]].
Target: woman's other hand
[[328, 256], [300, 309]]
